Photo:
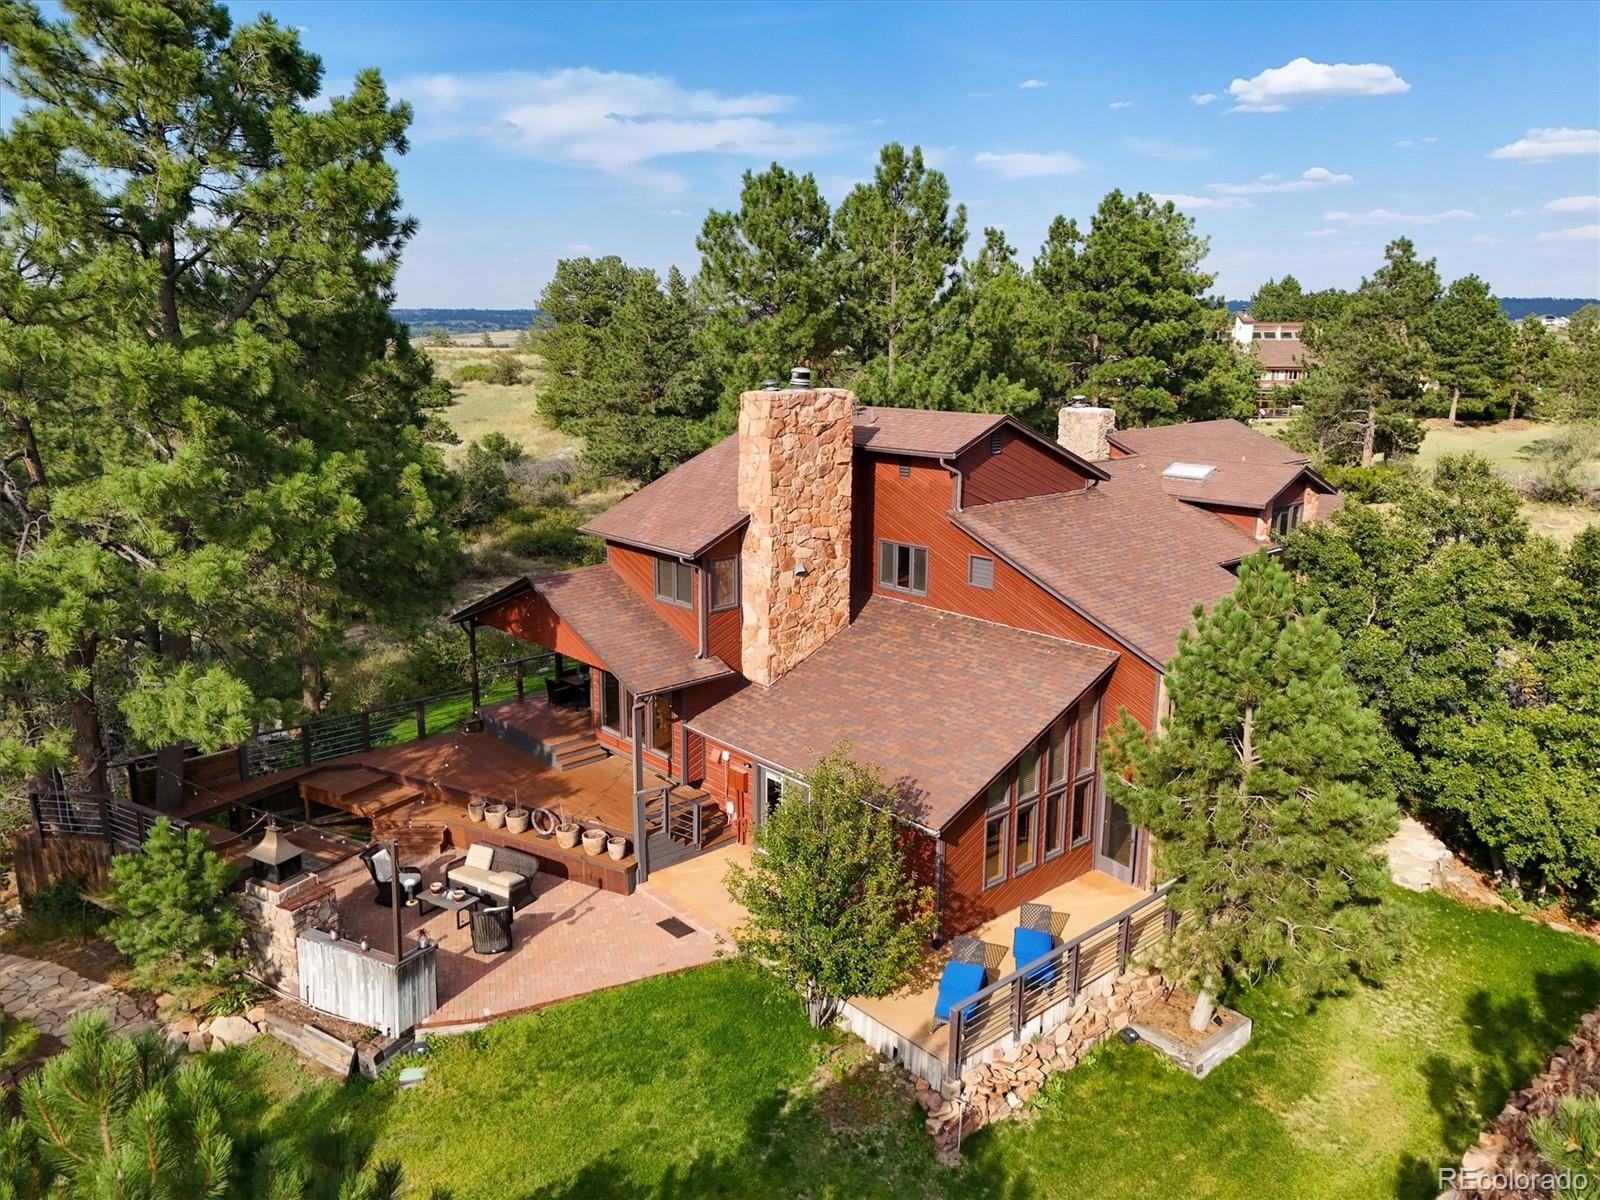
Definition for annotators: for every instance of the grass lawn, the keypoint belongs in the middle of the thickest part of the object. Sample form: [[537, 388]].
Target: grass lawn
[[709, 1083]]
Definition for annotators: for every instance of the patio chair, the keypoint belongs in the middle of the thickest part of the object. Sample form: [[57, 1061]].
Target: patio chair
[[963, 976], [1032, 939], [381, 868], [491, 930], [495, 872]]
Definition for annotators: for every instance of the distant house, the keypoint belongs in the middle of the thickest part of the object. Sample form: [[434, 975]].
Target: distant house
[[1278, 349]]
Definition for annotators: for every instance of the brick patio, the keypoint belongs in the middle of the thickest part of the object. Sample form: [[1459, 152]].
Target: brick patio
[[571, 940]]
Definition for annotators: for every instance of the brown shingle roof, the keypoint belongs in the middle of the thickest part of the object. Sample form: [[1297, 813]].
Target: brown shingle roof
[[684, 511], [1277, 353], [896, 684], [1130, 557], [633, 642], [920, 430], [1250, 468]]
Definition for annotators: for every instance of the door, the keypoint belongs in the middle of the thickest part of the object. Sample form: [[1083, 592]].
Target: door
[[772, 789], [1114, 840]]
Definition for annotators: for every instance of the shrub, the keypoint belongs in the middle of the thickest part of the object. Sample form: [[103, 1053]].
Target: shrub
[[56, 913], [473, 373], [502, 447], [178, 926], [505, 368], [440, 338], [552, 534], [485, 488]]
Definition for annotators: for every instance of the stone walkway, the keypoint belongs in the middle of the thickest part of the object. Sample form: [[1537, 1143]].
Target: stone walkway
[[48, 994], [1416, 857]]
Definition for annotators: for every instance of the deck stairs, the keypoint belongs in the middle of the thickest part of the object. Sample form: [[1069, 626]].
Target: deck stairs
[[672, 836], [564, 753]]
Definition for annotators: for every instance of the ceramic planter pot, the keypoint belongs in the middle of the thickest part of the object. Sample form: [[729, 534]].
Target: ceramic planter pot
[[495, 816], [594, 841], [617, 848], [567, 835], [517, 820], [475, 810]]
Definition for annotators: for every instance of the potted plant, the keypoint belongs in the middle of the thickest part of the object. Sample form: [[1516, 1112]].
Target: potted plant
[[566, 832], [617, 847], [495, 816], [517, 819], [475, 810], [594, 840]]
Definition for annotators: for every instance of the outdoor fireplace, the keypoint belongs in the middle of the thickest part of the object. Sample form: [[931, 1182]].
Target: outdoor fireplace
[[276, 858]]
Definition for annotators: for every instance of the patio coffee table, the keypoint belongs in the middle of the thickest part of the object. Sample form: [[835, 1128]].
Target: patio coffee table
[[444, 900]]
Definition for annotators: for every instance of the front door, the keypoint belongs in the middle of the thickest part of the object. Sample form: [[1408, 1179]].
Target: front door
[[772, 788], [1113, 844]]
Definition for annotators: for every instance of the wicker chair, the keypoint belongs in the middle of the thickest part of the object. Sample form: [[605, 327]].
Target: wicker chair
[[381, 867], [1037, 916], [491, 930]]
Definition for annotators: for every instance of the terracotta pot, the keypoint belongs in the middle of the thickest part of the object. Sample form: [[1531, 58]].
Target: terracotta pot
[[495, 816], [594, 841], [567, 835], [475, 810], [517, 820], [617, 848]]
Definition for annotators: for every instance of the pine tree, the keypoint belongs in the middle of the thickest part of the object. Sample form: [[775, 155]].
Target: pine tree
[[830, 903], [177, 925], [1532, 352], [1257, 796], [1471, 342]]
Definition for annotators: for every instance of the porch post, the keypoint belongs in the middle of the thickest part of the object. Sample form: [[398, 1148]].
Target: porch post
[[938, 888], [394, 893], [472, 647], [641, 836]]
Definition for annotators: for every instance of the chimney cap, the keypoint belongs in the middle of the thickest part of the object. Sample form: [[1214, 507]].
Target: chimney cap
[[800, 377], [770, 385]]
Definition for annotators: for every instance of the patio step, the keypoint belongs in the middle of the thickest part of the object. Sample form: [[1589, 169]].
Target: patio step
[[577, 753]]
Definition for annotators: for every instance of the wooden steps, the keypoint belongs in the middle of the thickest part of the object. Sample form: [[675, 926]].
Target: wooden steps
[[577, 752]]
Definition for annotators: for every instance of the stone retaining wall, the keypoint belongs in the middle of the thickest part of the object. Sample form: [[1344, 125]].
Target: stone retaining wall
[[275, 916]]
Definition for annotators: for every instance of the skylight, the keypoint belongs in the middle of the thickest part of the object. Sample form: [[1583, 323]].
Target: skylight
[[1194, 472]]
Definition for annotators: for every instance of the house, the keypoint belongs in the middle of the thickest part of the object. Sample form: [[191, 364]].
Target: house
[[1278, 348], [965, 602]]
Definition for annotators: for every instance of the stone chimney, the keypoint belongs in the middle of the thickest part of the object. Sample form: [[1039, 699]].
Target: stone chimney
[[794, 481], [1084, 429]]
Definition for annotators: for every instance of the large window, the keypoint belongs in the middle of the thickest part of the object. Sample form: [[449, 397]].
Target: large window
[[1041, 806], [994, 849], [724, 583], [1286, 518], [675, 582], [1055, 791], [1025, 849], [616, 706], [1083, 771], [903, 568]]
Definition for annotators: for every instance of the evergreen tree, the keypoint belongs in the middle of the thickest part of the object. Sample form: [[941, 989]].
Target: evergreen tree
[[177, 925], [1577, 368], [901, 247], [1285, 300], [1257, 794], [771, 286], [1153, 344], [1471, 342], [213, 436], [577, 305], [830, 903], [1532, 352]]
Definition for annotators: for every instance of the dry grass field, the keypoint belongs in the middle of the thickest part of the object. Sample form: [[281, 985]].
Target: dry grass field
[[482, 408]]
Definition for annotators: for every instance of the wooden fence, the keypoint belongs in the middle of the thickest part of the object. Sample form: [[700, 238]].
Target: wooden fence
[[386, 725], [1038, 994], [367, 987]]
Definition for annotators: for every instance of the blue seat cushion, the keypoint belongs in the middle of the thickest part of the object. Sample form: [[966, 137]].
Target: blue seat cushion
[[1029, 944], [958, 981]]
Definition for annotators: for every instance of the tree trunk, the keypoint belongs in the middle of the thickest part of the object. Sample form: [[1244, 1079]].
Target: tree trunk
[[821, 1008], [1369, 435], [1516, 395], [1205, 1005], [87, 736], [1455, 403], [169, 759]]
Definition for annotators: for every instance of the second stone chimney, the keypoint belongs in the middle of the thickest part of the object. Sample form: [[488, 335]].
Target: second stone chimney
[[795, 449], [1086, 430]]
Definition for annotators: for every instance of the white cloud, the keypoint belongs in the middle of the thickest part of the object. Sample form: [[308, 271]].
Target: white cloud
[[1516, 214], [1202, 98], [1573, 204], [1325, 232], [1542, 145], [1186, 201], [1578, 233], [1415, 143], [1026, 165], [1120, 104], [1168, 151], [1029, 85], [1382, 216], [611, 121], [1302, 80], [1310, 180], [579, 248]]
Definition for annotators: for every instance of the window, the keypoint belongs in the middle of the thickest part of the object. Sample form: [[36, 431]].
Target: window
[[980, 571], [1058, 753], [1028, 773], [675, 582], [724, 583], [994, 849], [612, 710], [661, 725], [1053, 832], [1286, 518], [1083, 771], [1081, 799], [903, 568], [1026, 845], [778, 787], [1086, 740], [996, 441], [999, 793]]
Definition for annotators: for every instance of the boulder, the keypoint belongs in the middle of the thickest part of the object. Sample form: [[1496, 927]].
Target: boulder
[[231, 1031]]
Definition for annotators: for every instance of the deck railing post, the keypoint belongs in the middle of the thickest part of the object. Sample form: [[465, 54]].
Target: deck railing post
[[1170, 917], [1072, 972], [103, 804], [366, 729], [244, 758], [1124, 942], [422, 718], [1019, 998], [956, 1030], [519, 679], [305, 745], [38, 811]]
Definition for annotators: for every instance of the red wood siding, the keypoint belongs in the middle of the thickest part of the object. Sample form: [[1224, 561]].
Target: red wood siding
[[722, 628], [1022, 468], [716, 782], [530, 618], [966, 903], [1243, 518], [638, 570]]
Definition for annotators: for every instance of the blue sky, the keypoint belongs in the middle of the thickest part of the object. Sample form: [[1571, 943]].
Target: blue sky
[[1300, 136]]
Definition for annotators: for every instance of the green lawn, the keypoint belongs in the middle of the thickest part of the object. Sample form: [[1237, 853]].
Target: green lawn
[[709, 1083]]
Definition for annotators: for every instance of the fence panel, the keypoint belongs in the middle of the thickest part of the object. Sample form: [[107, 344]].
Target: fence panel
[[364, 986]]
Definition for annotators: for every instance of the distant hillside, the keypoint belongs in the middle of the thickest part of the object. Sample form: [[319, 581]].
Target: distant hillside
[[1515, 307], [424, 321]]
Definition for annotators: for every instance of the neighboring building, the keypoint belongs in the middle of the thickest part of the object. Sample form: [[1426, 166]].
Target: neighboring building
[[1278, 349], [966, 603]]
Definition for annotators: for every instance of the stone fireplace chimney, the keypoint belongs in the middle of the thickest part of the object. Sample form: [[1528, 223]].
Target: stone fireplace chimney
[[794, 481], [1084, 429]]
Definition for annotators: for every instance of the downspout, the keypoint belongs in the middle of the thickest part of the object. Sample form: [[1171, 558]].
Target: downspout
[[640, 833], [955, 473], [703, 590], [938, 889]]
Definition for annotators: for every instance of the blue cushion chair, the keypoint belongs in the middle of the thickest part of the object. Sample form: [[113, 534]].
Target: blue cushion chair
[[963, 976], [1032, 939]]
